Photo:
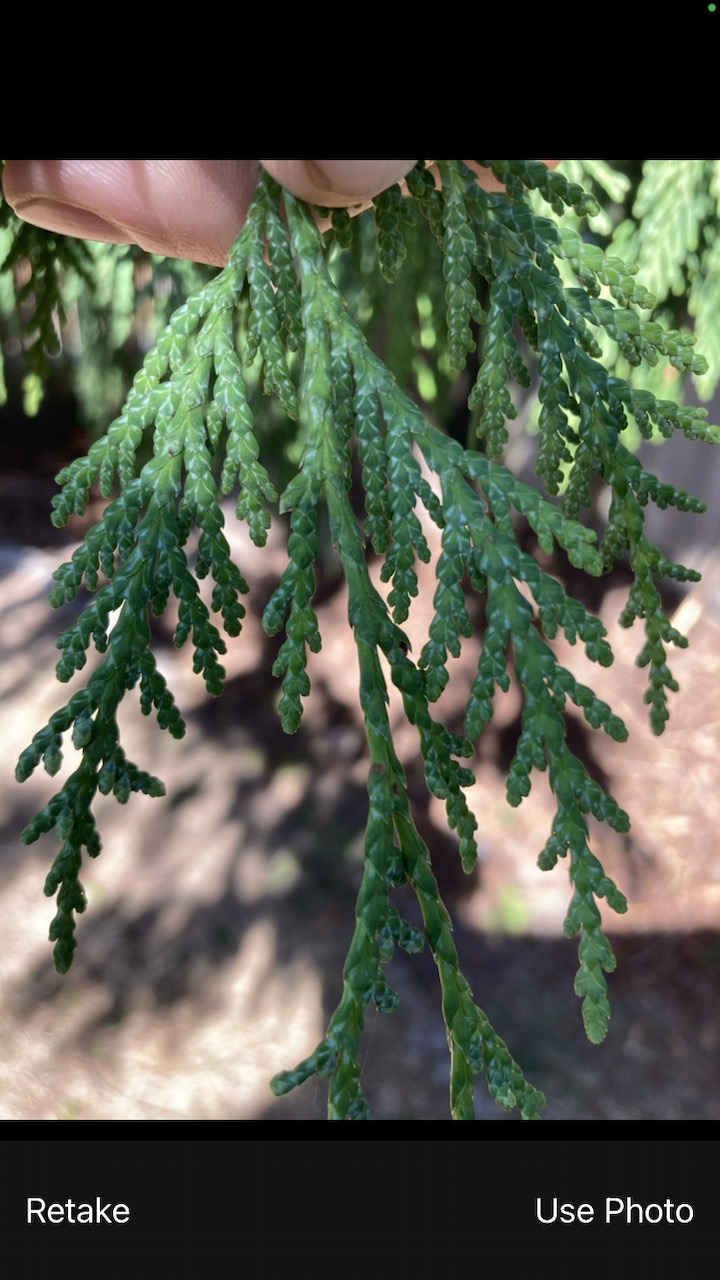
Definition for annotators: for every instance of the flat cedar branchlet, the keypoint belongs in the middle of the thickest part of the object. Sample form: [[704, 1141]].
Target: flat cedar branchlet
[[279, 306]]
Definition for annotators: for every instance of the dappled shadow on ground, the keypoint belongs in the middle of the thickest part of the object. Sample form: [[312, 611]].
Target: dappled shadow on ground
[[220, 916], [659, 1061]]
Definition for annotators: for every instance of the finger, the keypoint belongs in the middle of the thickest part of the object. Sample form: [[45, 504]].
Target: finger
[[190, 209], [335, 183], [183, 208]]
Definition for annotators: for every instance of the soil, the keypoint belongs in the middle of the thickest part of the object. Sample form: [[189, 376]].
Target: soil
[[211, 953]]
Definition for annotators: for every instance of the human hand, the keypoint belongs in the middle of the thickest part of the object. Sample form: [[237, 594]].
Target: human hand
[[191, 209]]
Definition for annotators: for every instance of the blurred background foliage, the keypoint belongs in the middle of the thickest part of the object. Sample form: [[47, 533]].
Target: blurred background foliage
[[77, 318]]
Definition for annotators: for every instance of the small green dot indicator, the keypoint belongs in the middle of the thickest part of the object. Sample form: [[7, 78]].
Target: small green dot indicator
[[712, 8]]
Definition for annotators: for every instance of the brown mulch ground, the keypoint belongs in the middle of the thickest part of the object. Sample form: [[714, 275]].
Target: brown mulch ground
[[211, 953]]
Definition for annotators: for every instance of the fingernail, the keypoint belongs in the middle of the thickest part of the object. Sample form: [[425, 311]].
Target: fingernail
[[66, 219]]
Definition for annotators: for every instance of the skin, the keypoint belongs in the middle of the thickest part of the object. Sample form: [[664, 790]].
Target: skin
[[183, 208]]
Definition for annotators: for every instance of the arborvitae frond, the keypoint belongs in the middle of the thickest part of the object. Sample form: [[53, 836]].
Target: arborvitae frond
[[668, 230], [279, 295], [459, 260], [390, 211]]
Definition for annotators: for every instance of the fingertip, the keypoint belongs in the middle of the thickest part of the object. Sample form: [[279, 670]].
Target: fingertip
[[337, 183]]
